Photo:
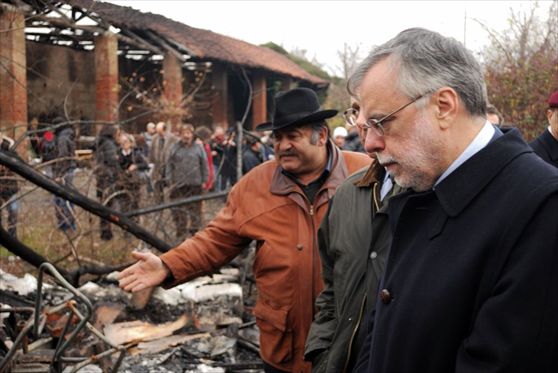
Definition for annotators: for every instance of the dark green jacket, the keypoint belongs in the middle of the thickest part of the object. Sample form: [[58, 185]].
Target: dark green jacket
[[354, 240]]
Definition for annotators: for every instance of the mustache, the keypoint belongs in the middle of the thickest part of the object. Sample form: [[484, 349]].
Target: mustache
[[286, 153], [385, 160]]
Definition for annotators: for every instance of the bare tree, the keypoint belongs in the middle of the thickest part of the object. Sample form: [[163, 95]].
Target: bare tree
[[521, 67], [338, 98], [349, 58]]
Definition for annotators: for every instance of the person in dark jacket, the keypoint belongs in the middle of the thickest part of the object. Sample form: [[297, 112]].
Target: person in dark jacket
[[48, 149], [216, 144], [106, 170], [8, 189], [132, 164], [228, 166], [186, 171], [546, 145], [252, 155], [161, 144], [203, 136], [494, 116], [63, 170], [471, 283], [353, 141]]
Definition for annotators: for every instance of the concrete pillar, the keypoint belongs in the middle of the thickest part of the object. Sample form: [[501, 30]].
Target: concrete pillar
[[13, 75], [220, 102], [259, 99], [172, 90], [106, 78]]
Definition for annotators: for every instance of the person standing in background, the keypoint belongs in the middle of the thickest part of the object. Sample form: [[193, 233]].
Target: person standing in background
[[161, 145], [252, 154], [186, 171], [106, 170], [339, 136], [546, 145], [63, 172], [132, 163], [203, 136], [148, 138]]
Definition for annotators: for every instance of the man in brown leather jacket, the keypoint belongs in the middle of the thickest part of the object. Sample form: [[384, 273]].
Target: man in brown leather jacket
[[280, 205]]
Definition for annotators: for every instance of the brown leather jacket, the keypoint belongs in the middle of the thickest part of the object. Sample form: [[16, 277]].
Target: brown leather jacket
[[268, 207]]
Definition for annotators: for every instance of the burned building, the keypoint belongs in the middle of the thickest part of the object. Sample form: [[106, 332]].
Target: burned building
[[100, 63]]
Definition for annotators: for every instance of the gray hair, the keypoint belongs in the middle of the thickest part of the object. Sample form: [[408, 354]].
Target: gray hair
[[316, 130], [427, 61]]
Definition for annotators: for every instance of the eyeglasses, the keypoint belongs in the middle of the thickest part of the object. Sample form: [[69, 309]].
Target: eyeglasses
[[351, 116]]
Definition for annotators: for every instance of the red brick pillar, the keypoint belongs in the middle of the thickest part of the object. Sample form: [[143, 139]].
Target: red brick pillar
[[106, 78], [13, 77], [220, 103], [259, 99], [172, 90]]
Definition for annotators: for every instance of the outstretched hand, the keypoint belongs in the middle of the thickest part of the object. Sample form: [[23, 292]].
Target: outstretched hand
[[147, 272]]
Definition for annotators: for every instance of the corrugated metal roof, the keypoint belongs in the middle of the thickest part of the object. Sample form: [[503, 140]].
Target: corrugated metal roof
[[202, 44]]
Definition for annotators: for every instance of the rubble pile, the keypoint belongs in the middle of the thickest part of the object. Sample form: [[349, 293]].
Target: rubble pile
[[199, 326]]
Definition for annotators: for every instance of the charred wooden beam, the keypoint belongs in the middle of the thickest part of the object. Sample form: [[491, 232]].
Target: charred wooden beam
[[180, 46], [24, 170], [74, 37], [90, 29], [90, 13], [165, 45]]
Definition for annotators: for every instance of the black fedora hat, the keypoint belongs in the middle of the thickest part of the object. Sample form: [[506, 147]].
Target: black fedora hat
[[295, 107]]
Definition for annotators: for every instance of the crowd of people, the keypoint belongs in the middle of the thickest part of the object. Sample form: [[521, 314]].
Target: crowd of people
[[421, 236], [160, 163], [173, 165]]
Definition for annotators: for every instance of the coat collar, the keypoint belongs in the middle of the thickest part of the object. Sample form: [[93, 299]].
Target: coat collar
[[374, 174], [282, 185], [460, 188]]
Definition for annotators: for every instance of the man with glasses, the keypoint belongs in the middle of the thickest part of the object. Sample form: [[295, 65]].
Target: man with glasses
[[280, 205], [471, 283], [546, 145], [354, 240]]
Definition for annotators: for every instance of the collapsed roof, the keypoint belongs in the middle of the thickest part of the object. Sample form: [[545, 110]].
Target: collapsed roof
[[146, 35]]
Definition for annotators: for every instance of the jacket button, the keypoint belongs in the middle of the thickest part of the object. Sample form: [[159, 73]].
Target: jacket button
[[299, 247], [385, 296], [373, 255]]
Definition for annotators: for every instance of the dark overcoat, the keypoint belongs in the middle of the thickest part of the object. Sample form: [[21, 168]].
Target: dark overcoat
[[471, 283], [546, 147]]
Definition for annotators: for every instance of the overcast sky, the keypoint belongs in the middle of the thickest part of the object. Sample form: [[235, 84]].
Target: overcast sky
[[322, 27]]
